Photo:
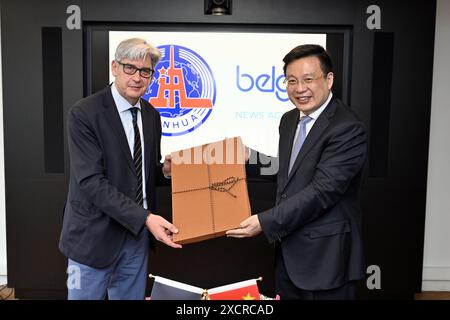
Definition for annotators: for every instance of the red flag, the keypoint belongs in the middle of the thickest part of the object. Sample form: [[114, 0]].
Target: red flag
[[244, 290]]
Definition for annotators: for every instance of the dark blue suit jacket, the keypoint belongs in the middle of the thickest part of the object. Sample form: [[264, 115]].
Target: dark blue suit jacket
[[99, 210], [317, 218]]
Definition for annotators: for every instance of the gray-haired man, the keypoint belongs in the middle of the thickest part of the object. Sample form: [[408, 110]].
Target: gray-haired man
[[114, 145]]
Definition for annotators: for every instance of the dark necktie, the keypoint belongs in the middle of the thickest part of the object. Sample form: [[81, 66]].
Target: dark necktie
[[299, 142], [137, 157]]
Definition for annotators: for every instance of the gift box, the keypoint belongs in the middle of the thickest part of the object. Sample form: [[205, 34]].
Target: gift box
[[209, 190]]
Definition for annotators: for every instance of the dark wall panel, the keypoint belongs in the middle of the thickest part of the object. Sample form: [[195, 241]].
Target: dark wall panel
[[52, 99], [383, 55], [96, 66]]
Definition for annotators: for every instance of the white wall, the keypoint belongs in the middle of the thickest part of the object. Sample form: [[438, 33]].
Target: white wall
[[436, 263], [3, 278]]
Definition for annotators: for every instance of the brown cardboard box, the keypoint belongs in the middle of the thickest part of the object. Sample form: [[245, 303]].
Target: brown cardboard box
[[209, 190]]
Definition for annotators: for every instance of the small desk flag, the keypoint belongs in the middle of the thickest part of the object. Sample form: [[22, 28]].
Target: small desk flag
[[166, 289], [244, 290]]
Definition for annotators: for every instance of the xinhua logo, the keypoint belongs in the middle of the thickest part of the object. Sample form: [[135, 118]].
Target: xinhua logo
[[183, 90]]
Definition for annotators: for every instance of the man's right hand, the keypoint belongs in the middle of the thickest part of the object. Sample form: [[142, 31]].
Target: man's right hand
[[162, 229]]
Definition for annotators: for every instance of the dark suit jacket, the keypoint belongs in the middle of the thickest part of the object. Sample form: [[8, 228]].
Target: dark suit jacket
[[99, 210], [317, 218]]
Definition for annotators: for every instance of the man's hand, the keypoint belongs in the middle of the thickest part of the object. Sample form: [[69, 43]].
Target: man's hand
[[250, 227], [167, 167], [162, 229]]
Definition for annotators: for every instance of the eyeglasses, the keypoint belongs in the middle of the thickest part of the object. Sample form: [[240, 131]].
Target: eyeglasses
[[131, 69], [293, 82]]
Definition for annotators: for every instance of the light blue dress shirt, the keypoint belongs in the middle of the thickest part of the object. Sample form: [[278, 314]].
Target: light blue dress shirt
[[123, 107], [313, 116]]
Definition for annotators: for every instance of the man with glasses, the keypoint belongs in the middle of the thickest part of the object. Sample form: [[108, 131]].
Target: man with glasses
[[316, 222], [114, 146]]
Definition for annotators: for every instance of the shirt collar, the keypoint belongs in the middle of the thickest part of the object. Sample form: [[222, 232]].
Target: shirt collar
[[317, 113], [121, 103]]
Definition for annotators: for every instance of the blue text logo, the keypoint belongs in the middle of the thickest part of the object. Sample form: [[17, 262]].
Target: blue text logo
[[263, 82]]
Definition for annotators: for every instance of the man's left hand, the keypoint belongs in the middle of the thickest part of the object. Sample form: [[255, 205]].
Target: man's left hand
[[250, 227]]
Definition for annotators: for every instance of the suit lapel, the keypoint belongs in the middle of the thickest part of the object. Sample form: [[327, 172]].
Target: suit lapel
[[313, 136], [286, 145], [116, 124], [148, 128]]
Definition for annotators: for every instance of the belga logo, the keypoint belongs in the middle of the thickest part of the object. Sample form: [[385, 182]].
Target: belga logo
[[263, 82], [183, 90]]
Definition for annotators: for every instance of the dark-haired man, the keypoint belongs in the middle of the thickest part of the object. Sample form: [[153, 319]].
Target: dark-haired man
[[316, 222]]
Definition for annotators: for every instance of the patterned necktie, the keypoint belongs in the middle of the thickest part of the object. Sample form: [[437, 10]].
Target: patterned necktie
[[299, 142], [137, 156]]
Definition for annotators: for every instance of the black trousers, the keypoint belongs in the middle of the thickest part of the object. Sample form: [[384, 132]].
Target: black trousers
[[287, 290]]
